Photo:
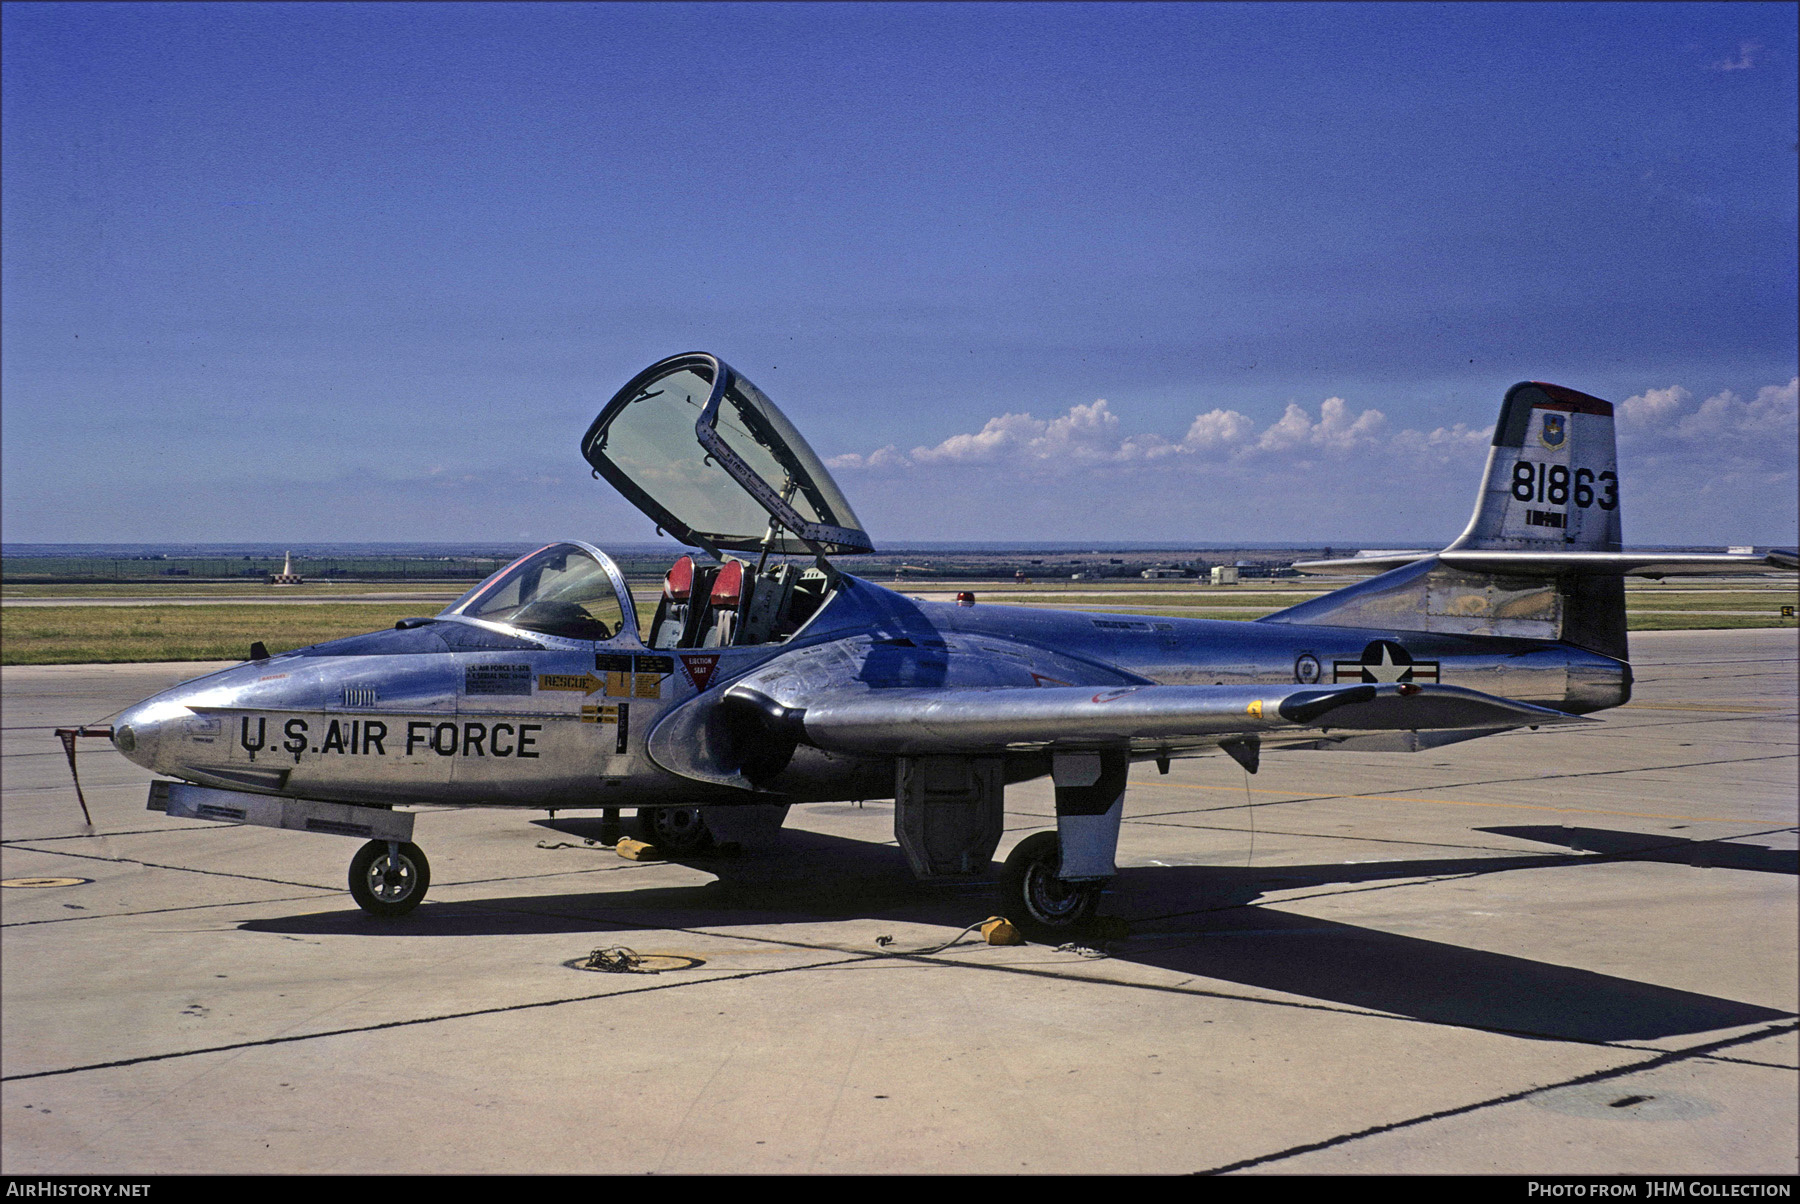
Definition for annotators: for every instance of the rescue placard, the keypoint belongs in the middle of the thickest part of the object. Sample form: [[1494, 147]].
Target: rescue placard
[[580, 683]]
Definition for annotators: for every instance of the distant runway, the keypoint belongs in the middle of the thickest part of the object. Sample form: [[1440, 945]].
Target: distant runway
[[1563, 952]]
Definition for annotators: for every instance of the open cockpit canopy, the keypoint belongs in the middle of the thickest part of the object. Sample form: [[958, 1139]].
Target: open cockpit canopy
[[708, 457]]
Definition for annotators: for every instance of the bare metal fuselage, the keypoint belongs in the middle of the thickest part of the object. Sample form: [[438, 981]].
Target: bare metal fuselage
[[460, 712]]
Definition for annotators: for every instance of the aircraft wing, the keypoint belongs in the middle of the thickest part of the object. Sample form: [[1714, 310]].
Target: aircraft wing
[[913, 722]]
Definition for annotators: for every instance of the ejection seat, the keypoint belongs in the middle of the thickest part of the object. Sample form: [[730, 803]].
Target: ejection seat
[[671, 624], [704, 607], [725, 598]]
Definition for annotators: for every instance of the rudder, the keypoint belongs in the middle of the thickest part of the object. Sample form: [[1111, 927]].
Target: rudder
[[1552, 478]]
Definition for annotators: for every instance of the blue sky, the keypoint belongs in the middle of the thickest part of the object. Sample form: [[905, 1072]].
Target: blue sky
[[1198, 273]]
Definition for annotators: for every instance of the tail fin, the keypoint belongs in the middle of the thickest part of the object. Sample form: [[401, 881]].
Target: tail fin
[[1552, 480], [1552, 484], [1527, 563]]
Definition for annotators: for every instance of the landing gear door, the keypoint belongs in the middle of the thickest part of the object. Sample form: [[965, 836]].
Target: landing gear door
[[713, 462]]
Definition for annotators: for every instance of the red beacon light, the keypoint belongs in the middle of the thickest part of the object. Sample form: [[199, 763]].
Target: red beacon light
[[965, 598]]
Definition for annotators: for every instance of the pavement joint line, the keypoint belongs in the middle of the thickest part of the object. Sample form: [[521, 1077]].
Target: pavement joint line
[[1163, 815], [12, 841], [179, 868], [118, 915], [1598, 1076], [158, 911], [154, 911], [1641, 724], [393, 1024], [1789, 1068], [1541, 861], [45, 752], [1695, 706], [1383, 796], [1497, 850]]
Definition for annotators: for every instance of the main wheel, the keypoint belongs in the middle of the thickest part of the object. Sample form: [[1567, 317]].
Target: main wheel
[[679, 831], [1042, 904], [388, 885]]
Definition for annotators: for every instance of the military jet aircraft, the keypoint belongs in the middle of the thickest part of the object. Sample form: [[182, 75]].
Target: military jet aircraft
[[769, 676]]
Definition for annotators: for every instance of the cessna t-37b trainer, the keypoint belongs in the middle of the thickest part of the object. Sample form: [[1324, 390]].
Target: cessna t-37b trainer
[[769, 676]]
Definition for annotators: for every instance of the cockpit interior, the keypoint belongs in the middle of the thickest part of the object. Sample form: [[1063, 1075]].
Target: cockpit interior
[[574, 591], [732, 605]]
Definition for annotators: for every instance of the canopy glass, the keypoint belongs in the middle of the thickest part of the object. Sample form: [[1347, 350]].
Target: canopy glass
[[713, 462]]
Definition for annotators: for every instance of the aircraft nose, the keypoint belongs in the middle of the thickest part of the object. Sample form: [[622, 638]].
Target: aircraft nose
[[138, 731]]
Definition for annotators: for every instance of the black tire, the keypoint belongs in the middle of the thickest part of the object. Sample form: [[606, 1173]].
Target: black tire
[[1042, 906], [676, 831], [389, 888]]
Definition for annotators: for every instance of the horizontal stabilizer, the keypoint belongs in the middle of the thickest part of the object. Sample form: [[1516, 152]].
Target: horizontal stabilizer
[[1647, 563], [912, 722]]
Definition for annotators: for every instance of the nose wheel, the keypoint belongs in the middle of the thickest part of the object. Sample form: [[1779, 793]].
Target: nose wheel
[[1044, 906], [388, 878]]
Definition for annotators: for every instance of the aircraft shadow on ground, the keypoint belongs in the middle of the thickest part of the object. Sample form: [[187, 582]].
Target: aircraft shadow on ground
[[1198, 920], [1649, 846]]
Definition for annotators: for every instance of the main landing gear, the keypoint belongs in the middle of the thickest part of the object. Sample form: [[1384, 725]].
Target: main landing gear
[[389, 878], [1046, 906], [1052, 880], [678, 831]]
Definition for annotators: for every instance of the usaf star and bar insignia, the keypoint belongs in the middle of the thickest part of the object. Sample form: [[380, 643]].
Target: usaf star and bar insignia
[[1384, 661]]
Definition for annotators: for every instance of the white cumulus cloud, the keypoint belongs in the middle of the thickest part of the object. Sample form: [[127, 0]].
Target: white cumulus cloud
[[1094, 435], [1663, 418], [1653, 404], [1218, 428], [1086, 433]]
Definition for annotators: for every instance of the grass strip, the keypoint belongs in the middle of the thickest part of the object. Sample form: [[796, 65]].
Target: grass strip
[[62, 635], [1703, 621]]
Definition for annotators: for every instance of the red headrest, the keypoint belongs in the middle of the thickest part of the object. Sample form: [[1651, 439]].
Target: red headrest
[[678, 583], [728, 586]]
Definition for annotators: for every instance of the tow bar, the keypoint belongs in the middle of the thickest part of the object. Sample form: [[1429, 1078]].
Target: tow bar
[[68, 735]]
